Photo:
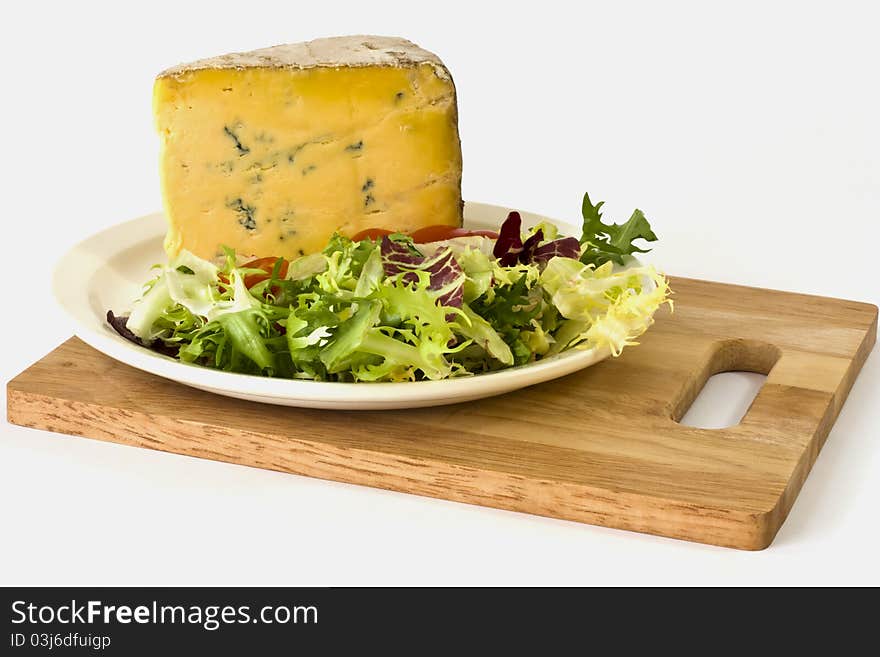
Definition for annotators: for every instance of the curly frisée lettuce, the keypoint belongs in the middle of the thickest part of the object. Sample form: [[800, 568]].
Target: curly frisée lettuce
[[390, 309]]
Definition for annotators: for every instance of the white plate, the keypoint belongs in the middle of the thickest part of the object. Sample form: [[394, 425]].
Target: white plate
[[107, 270]]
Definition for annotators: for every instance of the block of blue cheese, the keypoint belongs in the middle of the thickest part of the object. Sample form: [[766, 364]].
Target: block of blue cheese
[[272, 151]]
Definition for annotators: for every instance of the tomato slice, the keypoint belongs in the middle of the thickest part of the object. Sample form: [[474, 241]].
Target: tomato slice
[[371, 234], [441, 232], [267, 265]]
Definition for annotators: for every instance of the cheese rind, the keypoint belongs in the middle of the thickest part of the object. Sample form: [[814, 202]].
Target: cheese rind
[[270, 152], [347, 51]]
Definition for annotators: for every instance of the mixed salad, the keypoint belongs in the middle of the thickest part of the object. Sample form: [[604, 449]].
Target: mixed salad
[[384, 306]]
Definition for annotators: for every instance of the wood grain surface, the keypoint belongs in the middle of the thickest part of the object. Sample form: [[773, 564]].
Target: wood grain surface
[[601, 446]]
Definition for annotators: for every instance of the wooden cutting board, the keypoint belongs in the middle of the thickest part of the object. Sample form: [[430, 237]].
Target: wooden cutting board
[[601, 446]]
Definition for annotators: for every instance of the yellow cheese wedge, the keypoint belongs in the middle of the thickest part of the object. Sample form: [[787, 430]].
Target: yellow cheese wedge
[[272, 151]]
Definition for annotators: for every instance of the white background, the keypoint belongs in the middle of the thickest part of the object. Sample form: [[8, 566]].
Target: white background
[[748, 133]]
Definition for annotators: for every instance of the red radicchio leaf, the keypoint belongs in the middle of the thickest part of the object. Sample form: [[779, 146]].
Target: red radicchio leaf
[[567, 247], [510, 250], [447, 272], [525, 256], [509, 244], [443, 268], [397, 256], [120, 325]]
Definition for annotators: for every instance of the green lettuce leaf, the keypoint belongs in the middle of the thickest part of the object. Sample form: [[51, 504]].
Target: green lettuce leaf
[[611, 242], [481, 332], [604, 307]]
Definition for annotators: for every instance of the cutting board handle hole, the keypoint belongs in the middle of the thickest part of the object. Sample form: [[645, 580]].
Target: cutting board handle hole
[[727, 385]]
